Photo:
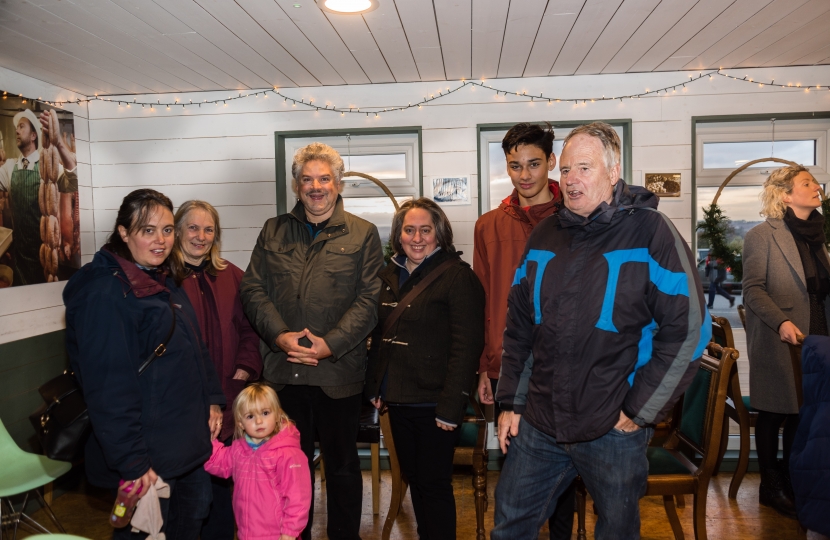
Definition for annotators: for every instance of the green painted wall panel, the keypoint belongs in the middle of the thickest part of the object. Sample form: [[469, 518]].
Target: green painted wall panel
[[24, 366]]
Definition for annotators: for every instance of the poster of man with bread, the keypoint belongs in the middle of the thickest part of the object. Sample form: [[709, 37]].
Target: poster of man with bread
[[39, 212]]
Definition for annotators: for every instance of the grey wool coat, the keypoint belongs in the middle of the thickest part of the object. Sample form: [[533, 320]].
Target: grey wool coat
[[775, 290]]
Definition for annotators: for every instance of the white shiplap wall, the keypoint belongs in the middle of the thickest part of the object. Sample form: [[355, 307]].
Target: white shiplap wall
[[225, 154], [35, 310]]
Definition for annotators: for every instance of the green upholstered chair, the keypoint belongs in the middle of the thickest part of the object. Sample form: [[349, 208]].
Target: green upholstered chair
[[22, 472], [470, 450], [671, 473], [737, 405]]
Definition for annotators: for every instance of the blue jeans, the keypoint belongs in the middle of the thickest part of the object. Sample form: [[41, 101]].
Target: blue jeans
[[538, 470]]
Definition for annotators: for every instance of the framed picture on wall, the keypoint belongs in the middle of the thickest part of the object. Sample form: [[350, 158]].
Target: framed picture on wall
[[39, 208], [451, 190], [664, 184]]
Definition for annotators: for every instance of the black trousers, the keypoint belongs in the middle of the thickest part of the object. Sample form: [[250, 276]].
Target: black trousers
[[766, 438], [220, 524], [425, 454], [185, 510], [561, 522], [336, 423]]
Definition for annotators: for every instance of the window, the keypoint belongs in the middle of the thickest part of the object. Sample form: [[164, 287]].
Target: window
[[720, 155], [393, 156], [494, 183]]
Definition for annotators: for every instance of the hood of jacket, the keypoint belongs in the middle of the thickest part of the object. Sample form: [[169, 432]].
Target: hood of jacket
[[133, 279], [536, 213], [625, 198]]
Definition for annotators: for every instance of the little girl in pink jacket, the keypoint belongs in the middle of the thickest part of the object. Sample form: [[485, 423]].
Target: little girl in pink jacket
[[272, 483]]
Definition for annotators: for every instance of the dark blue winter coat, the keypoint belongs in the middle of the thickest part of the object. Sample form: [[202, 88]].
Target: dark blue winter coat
[[810, 455], [116, 315]]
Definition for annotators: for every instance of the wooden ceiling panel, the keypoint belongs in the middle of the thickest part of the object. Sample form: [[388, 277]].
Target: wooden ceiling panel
[[319, 31], [556, 26], [763, 19], [358, 38], [818, 56], [622, 26], [807, 39], [127, 51], [232, 45], [523, 21], [385, 26], [145, 20], [200, 46], [775, 39], [664, 16], [731, 18], [237, 20], [592, 21], [45, 70], [421, 28], [68, 66], [489, 20], [454, 21], [282, 29], [695, 20]]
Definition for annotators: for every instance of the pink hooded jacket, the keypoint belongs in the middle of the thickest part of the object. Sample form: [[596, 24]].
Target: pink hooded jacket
[[272, 485]]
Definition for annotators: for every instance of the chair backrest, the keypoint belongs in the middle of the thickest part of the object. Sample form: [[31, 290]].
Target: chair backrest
[[7, 445], [703, 405], [742, 314], [722, 332], [795, 358]]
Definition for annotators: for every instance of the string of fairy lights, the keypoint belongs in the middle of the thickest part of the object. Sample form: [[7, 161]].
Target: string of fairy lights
[[440, 94]]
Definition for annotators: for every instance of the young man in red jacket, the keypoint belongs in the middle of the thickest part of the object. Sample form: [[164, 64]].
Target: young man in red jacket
[[500, 238]]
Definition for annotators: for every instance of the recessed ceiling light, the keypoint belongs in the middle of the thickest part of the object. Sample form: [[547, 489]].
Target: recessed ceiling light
[[351, 7]]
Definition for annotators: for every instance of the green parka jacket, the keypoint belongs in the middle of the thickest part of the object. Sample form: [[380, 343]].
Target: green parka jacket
[[328, 284]]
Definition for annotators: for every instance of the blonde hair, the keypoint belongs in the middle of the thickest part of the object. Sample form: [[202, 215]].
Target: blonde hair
[[256, 397], [319, 152], [215, 263], [778, 185]]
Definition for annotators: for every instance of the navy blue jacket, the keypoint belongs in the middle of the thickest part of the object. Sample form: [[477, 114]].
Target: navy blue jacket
[[116, 315], [606, 314], [810, 455]]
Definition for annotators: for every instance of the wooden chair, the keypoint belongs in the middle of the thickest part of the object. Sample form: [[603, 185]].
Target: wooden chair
[[369, 432], [670, 471], [795, 357], [737, 406], [471, 450]]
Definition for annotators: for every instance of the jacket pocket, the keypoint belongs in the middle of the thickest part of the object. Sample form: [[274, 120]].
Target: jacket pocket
[[279, 257], [783, 301], [342, 262], [431, 373]]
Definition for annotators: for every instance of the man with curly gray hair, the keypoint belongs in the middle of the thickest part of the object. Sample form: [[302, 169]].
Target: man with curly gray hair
[[311, 292]]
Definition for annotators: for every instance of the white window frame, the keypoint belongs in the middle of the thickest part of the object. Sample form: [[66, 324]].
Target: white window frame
[[368, 144], [760, 130]]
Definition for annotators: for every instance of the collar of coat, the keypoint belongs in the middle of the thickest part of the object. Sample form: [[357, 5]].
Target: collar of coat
[[337, 219], [389, 274], [139, 281], [536, 213], [625, 198]]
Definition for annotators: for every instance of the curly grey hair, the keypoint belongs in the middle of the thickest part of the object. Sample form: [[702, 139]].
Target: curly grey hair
[[320, 152]]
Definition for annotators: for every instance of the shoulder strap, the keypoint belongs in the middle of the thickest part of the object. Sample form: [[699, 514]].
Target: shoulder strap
[[162, 348], [413, 294]]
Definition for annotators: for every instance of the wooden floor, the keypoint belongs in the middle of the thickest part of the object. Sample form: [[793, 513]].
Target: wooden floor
[[84, 512]]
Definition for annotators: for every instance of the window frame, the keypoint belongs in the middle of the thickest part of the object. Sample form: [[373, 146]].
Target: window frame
[[281, 138], [624, 123], [738, 132]]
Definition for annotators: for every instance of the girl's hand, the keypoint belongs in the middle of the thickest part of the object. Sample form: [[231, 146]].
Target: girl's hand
[[241, 375], [444, 426], [215, 421], [142, 485], [286, 537]]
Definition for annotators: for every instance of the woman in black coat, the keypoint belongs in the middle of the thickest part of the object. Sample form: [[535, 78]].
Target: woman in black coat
[[424, 366], [119, 308]]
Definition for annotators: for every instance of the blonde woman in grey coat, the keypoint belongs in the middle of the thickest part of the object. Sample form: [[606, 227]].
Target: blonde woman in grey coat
[[786, 283]]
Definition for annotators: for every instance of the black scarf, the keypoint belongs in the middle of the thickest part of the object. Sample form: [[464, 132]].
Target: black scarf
[[809, 238]]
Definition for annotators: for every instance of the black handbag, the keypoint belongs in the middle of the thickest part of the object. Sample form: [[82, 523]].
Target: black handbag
[[62, 422]]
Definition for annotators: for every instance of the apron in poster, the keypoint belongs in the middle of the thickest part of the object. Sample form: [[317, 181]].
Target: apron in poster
[[26, 226]]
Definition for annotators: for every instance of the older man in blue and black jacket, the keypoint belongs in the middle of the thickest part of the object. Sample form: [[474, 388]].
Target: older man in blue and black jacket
[[605, 330]]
